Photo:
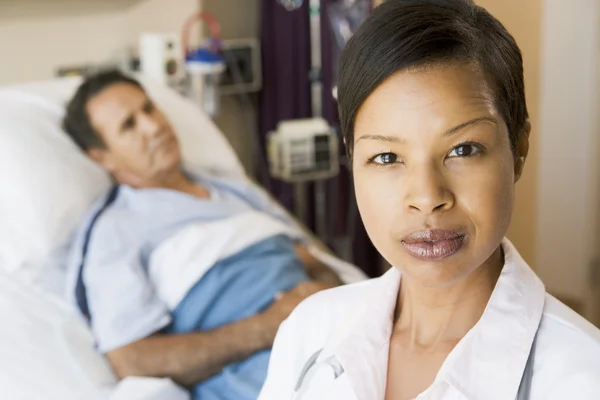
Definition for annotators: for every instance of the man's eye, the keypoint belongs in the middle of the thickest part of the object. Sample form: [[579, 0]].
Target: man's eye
[[128, 124], [464, 150], [385, 159], [148, 107]]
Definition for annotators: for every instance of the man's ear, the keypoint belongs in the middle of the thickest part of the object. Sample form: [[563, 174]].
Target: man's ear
[[102, 157], [522, 150]]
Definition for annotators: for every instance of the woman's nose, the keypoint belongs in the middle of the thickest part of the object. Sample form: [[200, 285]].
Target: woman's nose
[[427, 190]]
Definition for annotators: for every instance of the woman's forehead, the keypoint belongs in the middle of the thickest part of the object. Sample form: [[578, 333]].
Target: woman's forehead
[[430, 98]]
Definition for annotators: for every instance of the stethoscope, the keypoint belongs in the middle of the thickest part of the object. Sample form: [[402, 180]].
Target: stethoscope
[[337, 368], [332, 362]]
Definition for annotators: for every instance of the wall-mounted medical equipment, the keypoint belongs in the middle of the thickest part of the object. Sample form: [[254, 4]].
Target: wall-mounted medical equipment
[[204, 69], [204, 65], [168, 58], [243, 66], [160, 58], [303, 150]]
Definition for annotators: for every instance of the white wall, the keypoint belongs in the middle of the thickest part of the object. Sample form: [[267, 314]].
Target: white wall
[[523, 19], [238, 117], [567, 197], [36, 39]]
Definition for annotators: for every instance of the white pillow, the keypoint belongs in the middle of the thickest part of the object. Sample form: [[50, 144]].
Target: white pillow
[[47, 183]]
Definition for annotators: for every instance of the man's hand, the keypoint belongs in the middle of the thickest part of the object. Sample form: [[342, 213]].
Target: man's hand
[[285, 303], [315, 268], [306, 289]]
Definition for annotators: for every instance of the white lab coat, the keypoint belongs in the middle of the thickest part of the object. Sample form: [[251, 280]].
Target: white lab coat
[[353, 323]]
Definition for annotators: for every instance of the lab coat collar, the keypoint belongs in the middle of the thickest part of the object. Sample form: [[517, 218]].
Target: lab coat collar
[[488, 362], [362, 348]]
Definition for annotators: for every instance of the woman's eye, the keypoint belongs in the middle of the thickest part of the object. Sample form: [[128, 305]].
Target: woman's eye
[[464, 150], [386, 159]]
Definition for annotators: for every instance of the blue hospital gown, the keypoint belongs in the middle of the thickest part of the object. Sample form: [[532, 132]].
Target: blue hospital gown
[[121, 302]]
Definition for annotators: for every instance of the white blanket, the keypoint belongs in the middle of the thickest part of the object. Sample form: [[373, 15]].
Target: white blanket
[[180, 261]]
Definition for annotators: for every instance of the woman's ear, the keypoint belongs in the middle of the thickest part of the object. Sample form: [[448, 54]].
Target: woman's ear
[[522, 150]]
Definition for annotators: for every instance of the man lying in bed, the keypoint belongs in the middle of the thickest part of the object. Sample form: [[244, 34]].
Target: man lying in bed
[[179, 276]]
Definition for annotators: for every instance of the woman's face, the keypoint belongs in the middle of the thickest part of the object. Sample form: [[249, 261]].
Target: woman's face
[[434, 172]]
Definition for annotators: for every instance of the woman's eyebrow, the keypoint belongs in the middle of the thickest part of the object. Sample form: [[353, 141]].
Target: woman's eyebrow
[[464, 125], [449, 132], [381, 138]]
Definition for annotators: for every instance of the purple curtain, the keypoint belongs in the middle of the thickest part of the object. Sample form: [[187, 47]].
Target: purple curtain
[[285, 42]]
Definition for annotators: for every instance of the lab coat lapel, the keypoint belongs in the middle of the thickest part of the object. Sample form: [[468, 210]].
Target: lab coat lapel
[[362, 349], [490, 360], [341, 388]]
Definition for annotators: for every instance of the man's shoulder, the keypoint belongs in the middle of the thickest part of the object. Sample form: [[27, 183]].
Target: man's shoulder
[[113, 224]]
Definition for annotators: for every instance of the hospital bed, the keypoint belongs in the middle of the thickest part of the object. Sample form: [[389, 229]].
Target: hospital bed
[[46, 186]]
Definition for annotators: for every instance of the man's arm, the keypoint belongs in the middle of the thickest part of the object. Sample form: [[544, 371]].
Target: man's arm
[[191, 358], [316, 269]]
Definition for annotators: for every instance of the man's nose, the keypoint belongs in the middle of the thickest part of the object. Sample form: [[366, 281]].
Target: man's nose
[[427, 190], [149, 125]]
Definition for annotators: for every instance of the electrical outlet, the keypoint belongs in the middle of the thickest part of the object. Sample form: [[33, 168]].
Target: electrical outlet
[[243, 70]]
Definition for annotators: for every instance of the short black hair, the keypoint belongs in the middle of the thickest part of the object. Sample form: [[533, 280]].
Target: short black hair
[[77, 121], [407, 34]]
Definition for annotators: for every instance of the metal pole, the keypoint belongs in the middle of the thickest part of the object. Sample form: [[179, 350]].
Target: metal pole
[[300, 201], [314, 7], [316, 88]]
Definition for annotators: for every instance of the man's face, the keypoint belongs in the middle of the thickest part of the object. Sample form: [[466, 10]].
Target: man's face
[[141, 147]]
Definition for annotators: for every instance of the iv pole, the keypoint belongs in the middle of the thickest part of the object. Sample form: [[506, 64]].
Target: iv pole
[[316, 90], [342, 244]]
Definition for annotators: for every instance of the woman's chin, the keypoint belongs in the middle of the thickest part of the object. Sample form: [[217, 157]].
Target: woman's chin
[[437, 273]]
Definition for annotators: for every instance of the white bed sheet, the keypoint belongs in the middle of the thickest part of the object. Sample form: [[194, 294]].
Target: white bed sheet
[[47, 353]]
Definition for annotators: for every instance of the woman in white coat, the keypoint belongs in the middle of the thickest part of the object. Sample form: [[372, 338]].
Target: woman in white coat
[[433, 111]]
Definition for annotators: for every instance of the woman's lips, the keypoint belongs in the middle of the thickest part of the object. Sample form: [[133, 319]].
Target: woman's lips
[[433, 245]]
